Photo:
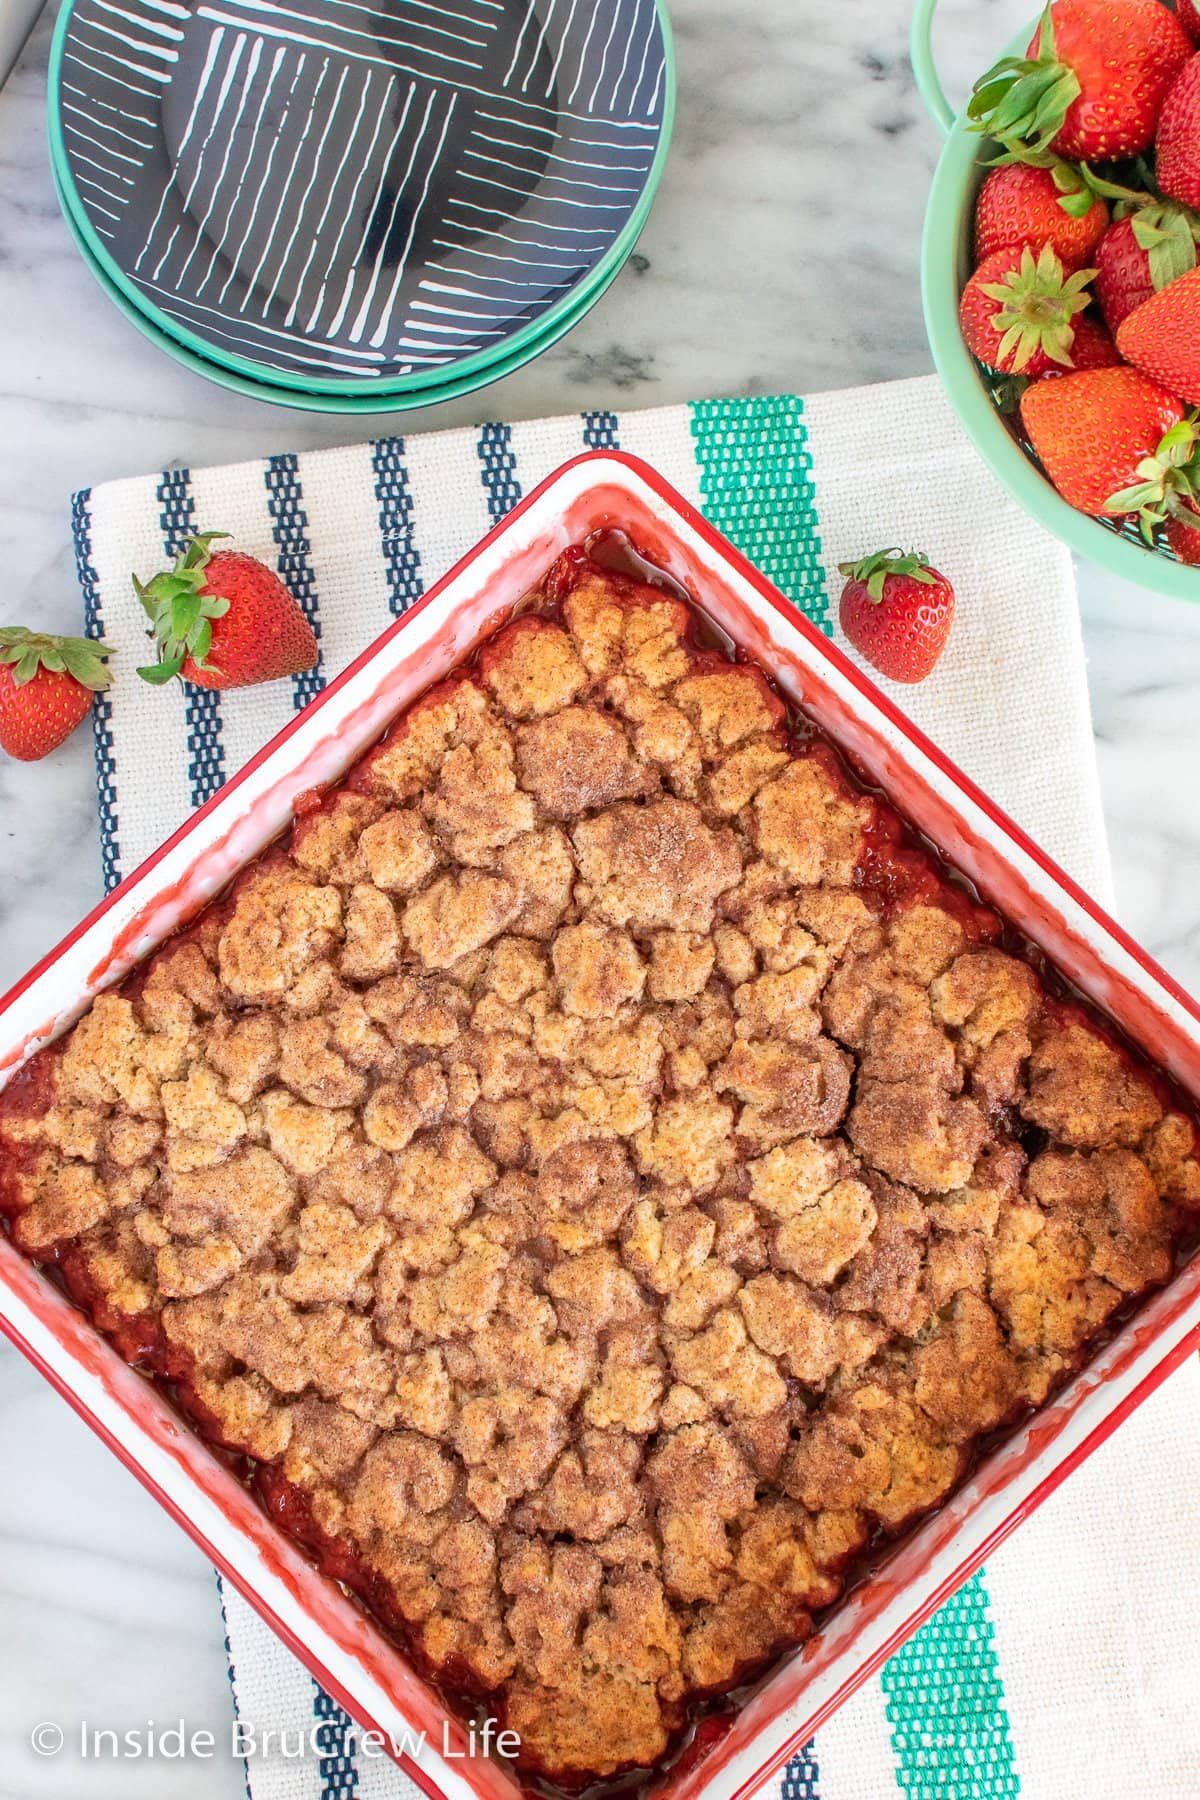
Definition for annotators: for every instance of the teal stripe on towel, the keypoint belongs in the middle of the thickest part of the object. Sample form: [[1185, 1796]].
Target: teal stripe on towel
[[756, 485], [945, 1706]]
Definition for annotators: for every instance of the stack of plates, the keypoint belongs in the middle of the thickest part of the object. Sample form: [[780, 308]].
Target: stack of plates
[[358, 205]]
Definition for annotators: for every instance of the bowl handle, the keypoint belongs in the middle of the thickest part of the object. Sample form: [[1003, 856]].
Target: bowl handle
[[920, 44]]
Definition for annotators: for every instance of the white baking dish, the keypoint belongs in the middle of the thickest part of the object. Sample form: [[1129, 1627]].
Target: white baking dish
[[312, 1614]]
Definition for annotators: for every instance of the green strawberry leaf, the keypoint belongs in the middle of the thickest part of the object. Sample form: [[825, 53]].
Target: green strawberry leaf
[[201, 644], [26, 652], [180, 612], [185, 614], [158, 674], [1168, 234], [875, 569]]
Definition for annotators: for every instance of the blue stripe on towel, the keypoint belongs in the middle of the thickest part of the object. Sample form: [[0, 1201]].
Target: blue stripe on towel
[[499, 470], [601, 431], [102, 738], [201, 706], [336, 1766], [802, 1775], [289, 528], [400, 554]]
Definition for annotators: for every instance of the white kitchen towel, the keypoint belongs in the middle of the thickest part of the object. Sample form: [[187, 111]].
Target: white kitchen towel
[[1071, 1666]]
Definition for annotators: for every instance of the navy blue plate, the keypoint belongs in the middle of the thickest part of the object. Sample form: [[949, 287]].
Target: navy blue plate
[[342, 196]]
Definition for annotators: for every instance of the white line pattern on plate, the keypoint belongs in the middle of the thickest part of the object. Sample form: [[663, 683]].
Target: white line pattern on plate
[[359, 325], [508, 73], [614, 102], [564, 38], [227, 80], [172, 33], [280, 203], [122, 62], [126, 137], [653, 101], [214, 50], [538, 47], [331, 113], [352, 273], [135, 44], [583, 56], [379, 335], [128, 87], [243, 172], [604, 59], [104, 168], [458, 37], [252, 63], [268, 330], [364, 170], [559, 199], [99, 143], [275, 11], [120, 199], [500, 162], [290, 317], [107, 106], [637, 86], [235, 266], [572, 162]]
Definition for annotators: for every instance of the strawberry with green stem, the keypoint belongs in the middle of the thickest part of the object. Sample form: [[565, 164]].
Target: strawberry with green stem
[[47, 685], [1151, 243], [1110, 442], [1090, 86], [1019, 313], [897, 610], [222, 619], [1020, 206], [1166, 483]]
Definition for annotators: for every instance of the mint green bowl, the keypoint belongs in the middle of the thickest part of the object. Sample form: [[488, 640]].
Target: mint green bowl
[[946, 263]]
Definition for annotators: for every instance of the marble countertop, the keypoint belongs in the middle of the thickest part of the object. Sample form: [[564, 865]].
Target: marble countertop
[[781, 256]]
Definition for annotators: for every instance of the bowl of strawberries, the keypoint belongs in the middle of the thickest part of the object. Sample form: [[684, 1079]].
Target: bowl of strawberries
[[1061, 276]]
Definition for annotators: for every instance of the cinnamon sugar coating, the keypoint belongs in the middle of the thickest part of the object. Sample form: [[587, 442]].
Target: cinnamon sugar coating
[[554, 1171]]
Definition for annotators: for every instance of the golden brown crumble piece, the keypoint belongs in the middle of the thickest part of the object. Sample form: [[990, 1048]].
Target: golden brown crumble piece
[[593, 1210]]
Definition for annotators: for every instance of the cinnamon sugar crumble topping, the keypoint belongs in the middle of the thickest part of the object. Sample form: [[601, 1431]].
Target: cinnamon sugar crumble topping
[[590, 1210]]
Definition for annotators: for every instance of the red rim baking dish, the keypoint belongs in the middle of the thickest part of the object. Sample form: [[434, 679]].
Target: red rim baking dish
[[343, 1649]]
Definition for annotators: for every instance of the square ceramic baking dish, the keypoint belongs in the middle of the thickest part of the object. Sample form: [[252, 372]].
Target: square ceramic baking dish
[[346, 1653]]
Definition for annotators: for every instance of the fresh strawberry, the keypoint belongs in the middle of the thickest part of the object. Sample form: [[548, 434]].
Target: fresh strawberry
[[1177, 145], [1151, 245], [1018, 314], [1189, 17], [1093, 348], [1102, 433], [1182, 531], [1091, 85], [224, 620], [1162, 338], [46, 688], [1019, 206], [897, 610], [1123, 278]]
